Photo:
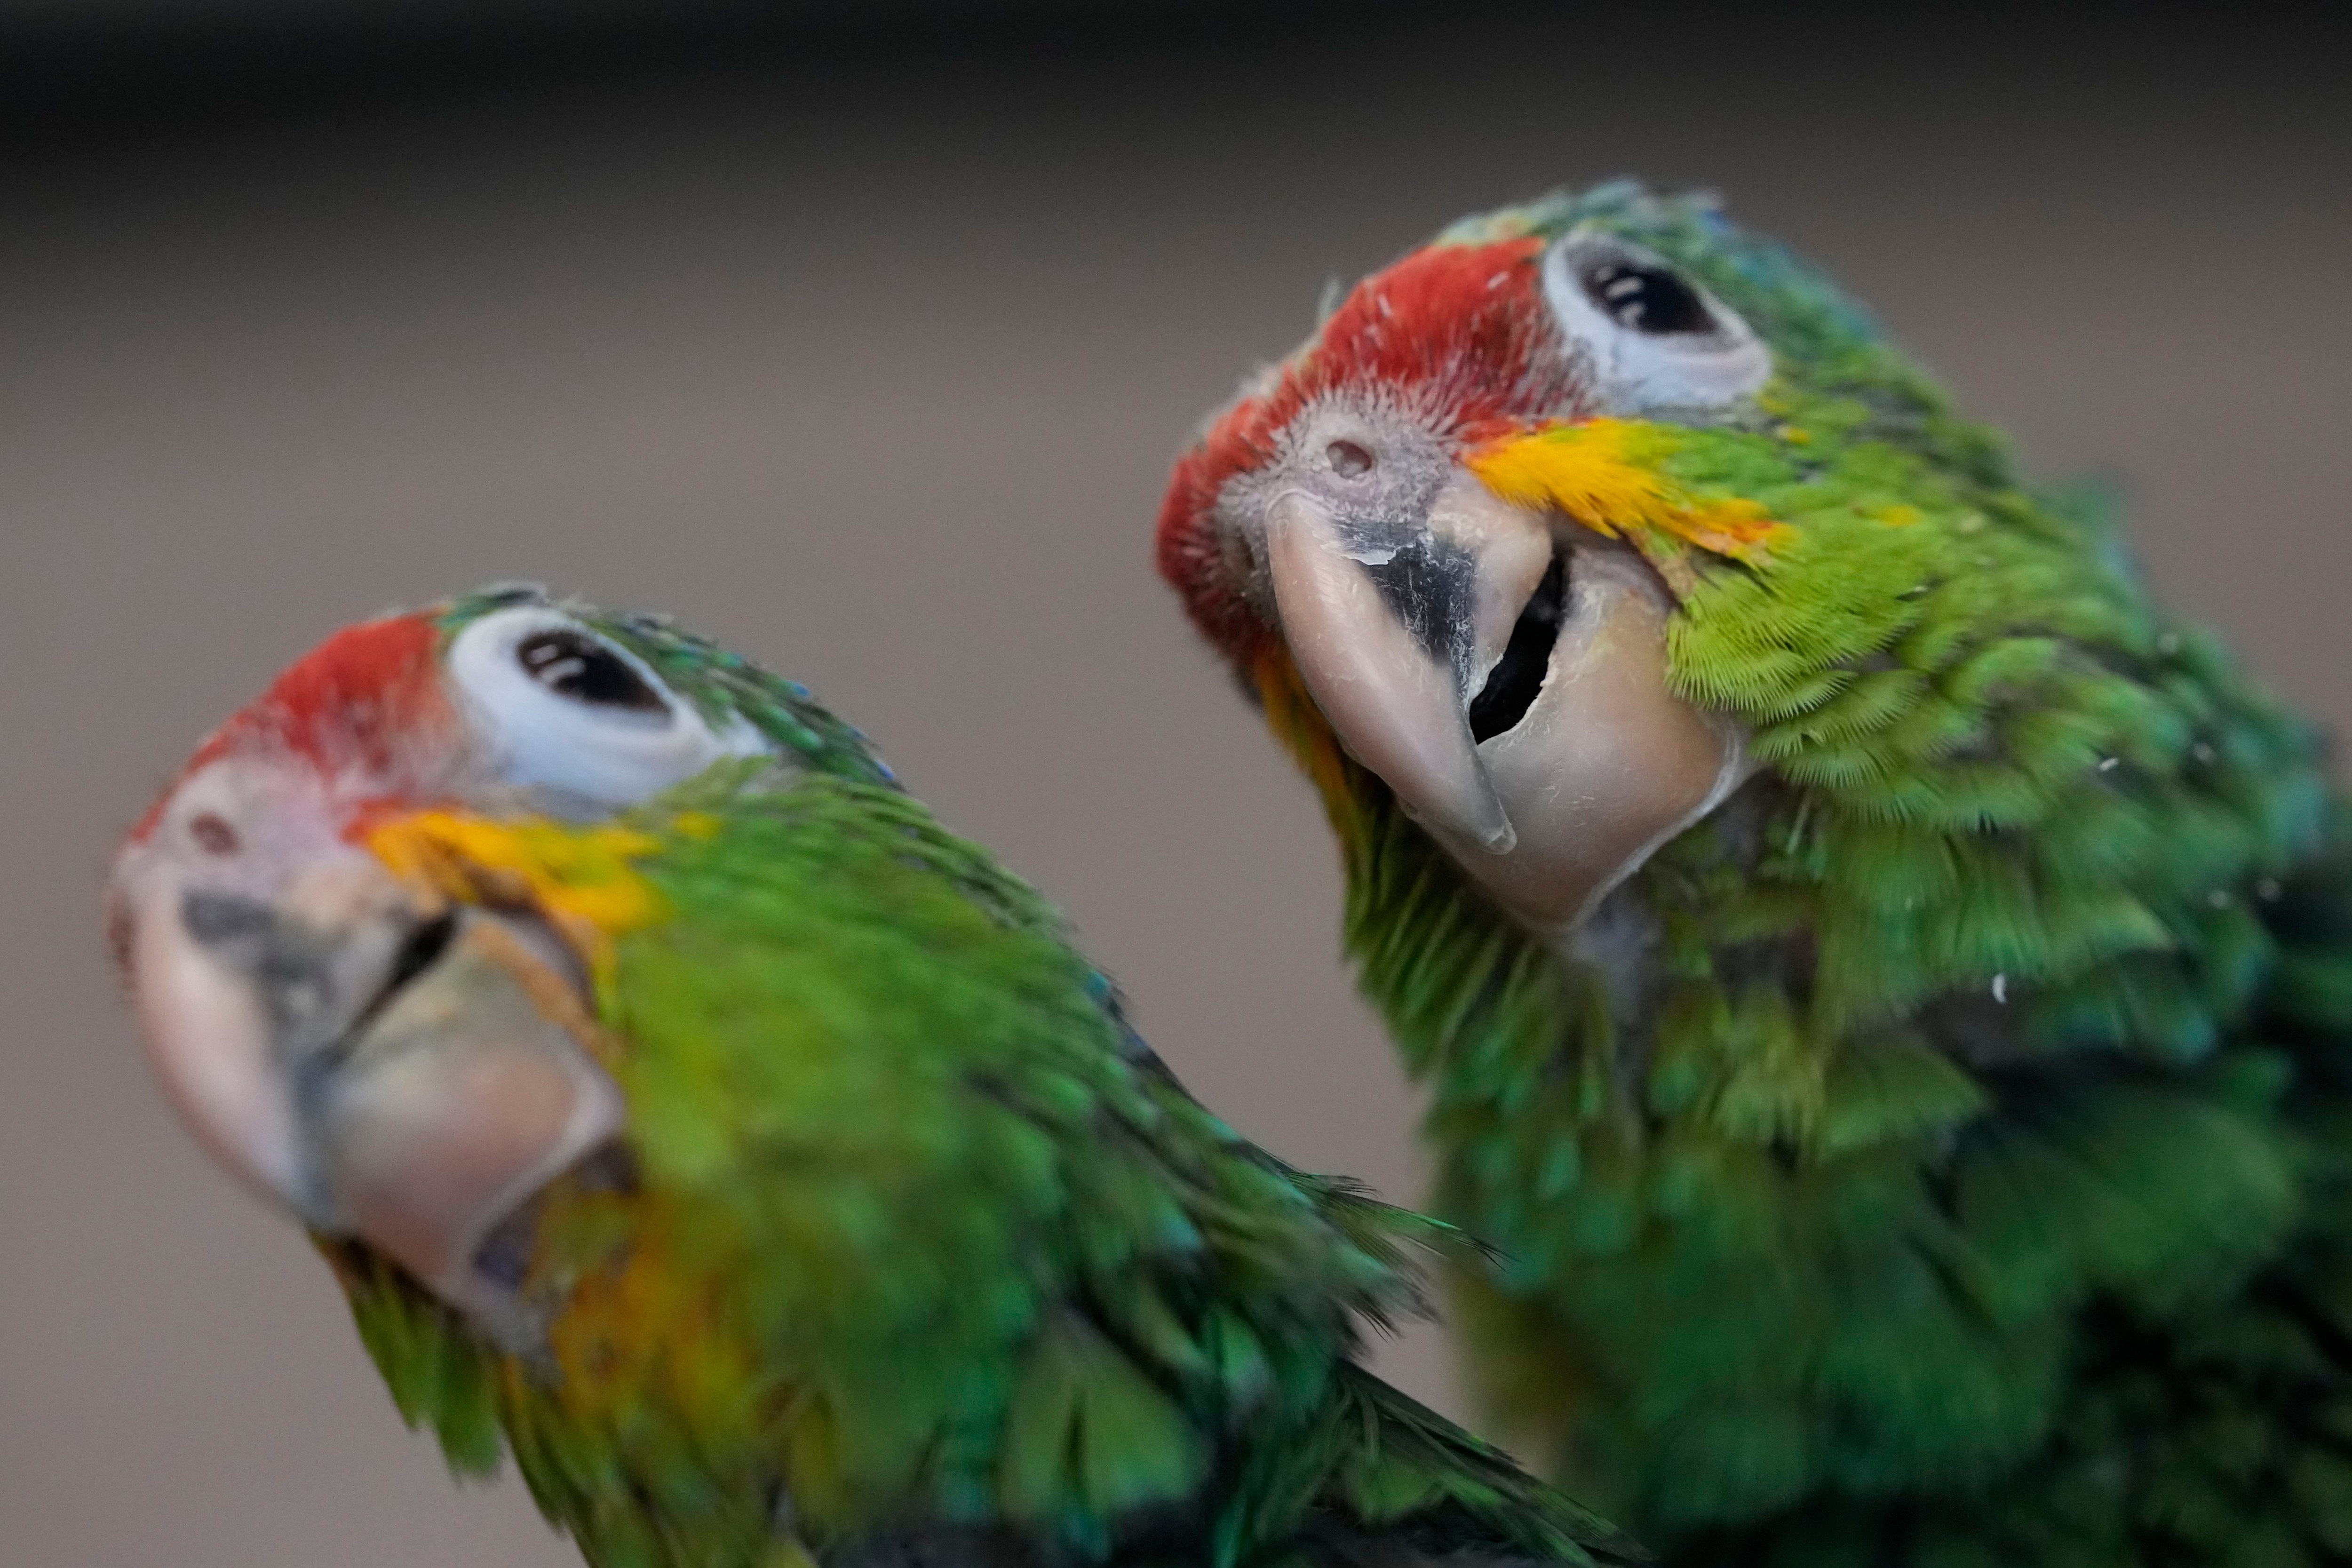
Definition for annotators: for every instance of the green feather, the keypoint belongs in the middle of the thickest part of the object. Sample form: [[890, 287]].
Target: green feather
[[1964, 1181], [917, 1249]]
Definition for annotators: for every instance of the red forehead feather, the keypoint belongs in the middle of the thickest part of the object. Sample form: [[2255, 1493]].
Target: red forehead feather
[[361, 700], [1455, 331]]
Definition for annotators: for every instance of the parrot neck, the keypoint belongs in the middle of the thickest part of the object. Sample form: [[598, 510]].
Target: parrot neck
[[1457, 978]]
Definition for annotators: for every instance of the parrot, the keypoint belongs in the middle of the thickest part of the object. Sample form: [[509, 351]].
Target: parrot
[[686, 1113], [1881, 986]]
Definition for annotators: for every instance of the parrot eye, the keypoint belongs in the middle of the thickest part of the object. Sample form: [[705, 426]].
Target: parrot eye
[[1646, 298], [562, 709], [1652, 340], [573, 666]]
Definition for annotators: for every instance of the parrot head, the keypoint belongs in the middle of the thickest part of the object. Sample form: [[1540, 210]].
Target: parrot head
[[1484, 534], [367, 993]]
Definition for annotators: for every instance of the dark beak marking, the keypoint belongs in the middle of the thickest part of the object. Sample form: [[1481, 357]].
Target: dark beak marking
[[216, 919], [1511, 686], [1427, 585]]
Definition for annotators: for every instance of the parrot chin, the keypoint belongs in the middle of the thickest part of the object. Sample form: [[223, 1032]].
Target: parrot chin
[[388, 1067], [1511, 685]]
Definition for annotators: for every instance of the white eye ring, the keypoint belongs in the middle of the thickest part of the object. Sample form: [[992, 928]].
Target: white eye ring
[[564, 710], [1656, 343]]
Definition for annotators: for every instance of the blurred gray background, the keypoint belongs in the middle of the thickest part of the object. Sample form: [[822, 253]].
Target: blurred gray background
[[861, 338]]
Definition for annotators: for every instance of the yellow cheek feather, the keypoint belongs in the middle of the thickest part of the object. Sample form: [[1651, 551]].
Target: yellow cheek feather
[[580, 880], [1605, 474]]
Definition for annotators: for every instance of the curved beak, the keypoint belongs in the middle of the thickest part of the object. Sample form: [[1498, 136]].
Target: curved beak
[[386, 1065], [1505, 671], [1394, 628]]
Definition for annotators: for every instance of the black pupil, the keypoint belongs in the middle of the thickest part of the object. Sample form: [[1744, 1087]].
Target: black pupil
[[1648, 299], [585, 671]]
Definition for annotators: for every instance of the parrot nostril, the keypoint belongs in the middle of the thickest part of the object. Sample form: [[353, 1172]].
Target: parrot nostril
[[213, 834], [1347, 459]]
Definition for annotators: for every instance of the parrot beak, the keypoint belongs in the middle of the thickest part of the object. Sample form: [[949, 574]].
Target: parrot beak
[[1390, 629], [385, 1065], [1504, 670]]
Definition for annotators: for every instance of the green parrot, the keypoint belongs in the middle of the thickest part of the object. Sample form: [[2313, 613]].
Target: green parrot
[[1884, 989], [686, 1112]]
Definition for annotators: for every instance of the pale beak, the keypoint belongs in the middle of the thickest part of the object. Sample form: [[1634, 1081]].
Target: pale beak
[[1505, 671], [388, 1068], [1393, 628]]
